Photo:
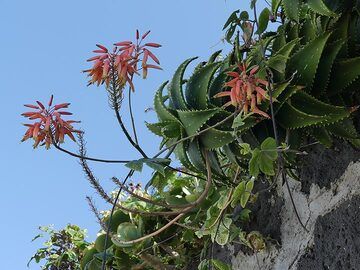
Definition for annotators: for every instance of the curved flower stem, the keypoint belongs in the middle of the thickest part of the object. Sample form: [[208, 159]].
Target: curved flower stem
[[88, 158], [132, 117], [134, 144]]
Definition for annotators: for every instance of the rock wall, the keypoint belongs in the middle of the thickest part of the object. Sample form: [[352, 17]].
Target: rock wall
[[328, 203]]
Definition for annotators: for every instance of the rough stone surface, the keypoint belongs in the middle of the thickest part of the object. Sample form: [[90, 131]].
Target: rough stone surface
[[265, 216], [313, 210], [323, 165], [336, 240]]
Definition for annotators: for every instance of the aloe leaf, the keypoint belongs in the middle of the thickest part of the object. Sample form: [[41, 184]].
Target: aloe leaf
[[163, 113], [180, 153], [344, 129], [305, 62], [194, 120], [308, 29], [213, 57], [292, 118], [217, 87], [292, 9], [214, 138], [196, 92], [319, 7], [195, 155], [156, 127], [323, 136], [326, 63], [344, 73], [214, 163], [310, 105], [275, 6], [278, 60], [175, 87]]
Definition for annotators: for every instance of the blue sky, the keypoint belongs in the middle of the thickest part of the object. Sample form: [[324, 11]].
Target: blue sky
[[44, 47]]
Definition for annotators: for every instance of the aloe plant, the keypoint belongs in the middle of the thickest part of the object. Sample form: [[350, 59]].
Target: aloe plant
[[314, 80]]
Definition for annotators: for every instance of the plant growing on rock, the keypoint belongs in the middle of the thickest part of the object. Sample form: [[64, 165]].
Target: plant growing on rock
[[236, 119]]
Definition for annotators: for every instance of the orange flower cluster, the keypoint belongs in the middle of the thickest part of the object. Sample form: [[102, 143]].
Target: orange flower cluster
[[49, 126], [246, 91], [124, 60]]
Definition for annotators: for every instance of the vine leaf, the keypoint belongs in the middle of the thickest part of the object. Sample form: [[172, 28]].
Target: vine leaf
[[263, 159], [158, 164], [219, 265], [263, 20]]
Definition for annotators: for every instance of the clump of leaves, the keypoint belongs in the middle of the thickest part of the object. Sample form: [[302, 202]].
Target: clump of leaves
[[64, 249]]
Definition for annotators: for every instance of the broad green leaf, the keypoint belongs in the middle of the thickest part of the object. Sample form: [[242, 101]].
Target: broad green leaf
[[194, 120], [238, 192], [238, 121], [196, 92], [244, 199], [158, 164], [232, 18], [220, 233], [175, 87], [263, 20], [244, 15], [136, 165], [94, 264], [219, 265], [254, 163], [269, 148]]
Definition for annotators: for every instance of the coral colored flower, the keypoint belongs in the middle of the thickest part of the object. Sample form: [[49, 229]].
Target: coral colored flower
[[49, 126], [122, 62], [246, 91]]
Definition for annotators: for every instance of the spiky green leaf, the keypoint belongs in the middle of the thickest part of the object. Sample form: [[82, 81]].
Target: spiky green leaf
[[292, 9], [319, 7], [196, 92], [194, 120], [175, 87], [305, 62]]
